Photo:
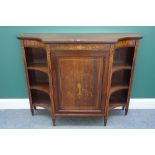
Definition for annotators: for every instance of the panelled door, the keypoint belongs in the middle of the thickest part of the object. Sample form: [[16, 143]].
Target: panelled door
[[79, 80]]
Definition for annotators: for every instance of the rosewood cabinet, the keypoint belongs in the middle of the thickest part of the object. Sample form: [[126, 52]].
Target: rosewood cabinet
[[79, 74]]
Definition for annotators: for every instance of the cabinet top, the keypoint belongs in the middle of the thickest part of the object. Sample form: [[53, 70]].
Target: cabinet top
[[79, 38]]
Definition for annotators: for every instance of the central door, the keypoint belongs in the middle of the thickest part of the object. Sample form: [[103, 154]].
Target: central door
[[79, 80]]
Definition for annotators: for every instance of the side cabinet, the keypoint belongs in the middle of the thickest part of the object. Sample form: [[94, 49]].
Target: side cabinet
[[79, 74]]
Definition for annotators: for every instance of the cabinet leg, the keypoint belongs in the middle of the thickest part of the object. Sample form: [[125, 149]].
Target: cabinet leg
[[35, 108], [123, 107], [32, 111], [105, 120], [53, 121], [126, 111]]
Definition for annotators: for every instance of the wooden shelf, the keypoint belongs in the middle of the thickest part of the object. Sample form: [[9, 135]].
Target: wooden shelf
[[43, 103], [40, 98], [124, 55], [115, 88], [117, 67], [39, 67], [113, 105], [42, 87]]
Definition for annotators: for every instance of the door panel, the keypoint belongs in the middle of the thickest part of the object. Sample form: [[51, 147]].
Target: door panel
[[78, 80]]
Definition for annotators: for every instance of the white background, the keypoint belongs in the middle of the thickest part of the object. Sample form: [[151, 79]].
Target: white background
[[77, 13]]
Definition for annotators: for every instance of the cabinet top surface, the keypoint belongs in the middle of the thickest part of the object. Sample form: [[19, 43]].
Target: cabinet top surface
[[79, 38]]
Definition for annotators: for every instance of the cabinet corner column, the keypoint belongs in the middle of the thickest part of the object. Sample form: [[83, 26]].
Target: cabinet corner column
[[48, 51], [27, 76], [111, 53], [132, 74]]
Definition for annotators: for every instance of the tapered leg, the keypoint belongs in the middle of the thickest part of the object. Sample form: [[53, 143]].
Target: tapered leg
[[53, 120], [123, 107], [126, 111], [35, 108], [105, 120], [32, 111]]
